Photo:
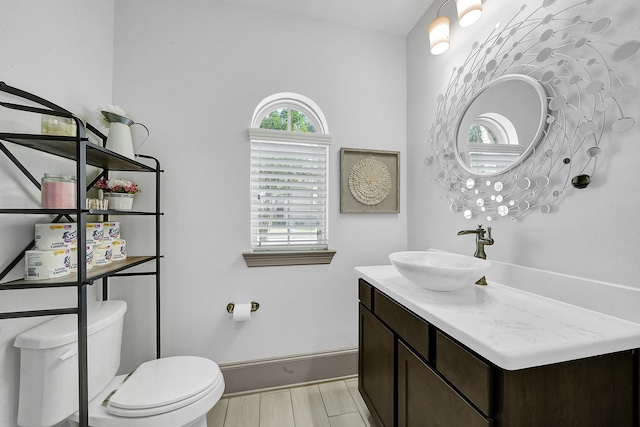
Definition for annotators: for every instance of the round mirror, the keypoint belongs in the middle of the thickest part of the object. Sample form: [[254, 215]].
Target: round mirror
[[501, 125]]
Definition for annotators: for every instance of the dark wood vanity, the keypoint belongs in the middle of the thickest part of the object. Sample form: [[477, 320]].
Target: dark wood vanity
[[411, 374]]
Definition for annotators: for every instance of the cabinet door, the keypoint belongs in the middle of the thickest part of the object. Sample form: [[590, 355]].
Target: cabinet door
[[376, 367], [425, 400]]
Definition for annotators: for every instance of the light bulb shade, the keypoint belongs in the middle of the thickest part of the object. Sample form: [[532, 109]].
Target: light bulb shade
[[469, 11], [439, 35]]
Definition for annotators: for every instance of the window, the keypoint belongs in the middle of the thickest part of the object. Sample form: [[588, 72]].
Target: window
[[287, 119], [289, 175], [481, 134], [493, 144]]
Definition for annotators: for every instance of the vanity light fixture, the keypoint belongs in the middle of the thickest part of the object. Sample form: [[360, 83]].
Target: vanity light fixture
[[439, 34], [469, 11]]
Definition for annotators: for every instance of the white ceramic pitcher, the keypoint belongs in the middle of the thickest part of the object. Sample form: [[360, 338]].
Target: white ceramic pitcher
[[119, 138]]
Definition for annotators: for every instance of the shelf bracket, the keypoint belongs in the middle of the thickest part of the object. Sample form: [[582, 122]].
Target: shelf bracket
[[19, 165]]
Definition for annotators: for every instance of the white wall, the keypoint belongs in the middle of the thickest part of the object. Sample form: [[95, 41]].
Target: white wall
[[63, 52], [193, 73], [592, 233]]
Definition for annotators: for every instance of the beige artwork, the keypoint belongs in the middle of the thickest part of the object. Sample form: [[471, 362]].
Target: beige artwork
[[369, 181]]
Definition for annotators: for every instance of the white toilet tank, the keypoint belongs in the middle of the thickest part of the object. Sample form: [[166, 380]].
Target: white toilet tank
[[49, 362]]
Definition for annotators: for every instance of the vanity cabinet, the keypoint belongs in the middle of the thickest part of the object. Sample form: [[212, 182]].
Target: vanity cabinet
[[411, 374]]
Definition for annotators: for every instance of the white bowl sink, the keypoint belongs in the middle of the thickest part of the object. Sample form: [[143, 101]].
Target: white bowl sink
[[439, 271]]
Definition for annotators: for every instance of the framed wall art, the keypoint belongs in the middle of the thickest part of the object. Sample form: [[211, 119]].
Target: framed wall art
[[369, 181]]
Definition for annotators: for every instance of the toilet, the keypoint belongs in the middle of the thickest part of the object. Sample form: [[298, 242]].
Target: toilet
[[167, 392]]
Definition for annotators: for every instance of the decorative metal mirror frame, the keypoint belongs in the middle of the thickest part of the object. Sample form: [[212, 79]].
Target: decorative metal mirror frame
[[559, 50]]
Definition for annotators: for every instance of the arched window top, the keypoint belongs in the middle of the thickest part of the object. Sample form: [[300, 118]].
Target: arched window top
[[290, 112], [501, 126]]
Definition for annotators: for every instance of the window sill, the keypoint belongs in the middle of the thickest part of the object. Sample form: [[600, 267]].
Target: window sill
[[282, 258]]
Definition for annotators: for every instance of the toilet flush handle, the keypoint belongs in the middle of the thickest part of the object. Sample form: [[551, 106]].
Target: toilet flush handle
[[67, 354]]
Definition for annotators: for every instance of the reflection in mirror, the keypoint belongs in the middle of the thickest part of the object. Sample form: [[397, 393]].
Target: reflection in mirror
[[492, 145], [501, 125]]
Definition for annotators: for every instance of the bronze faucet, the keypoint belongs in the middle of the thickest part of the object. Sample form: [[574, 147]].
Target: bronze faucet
[[481, 241]]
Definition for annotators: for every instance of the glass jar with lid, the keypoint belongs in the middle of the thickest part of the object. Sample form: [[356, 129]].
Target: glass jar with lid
[[58, 191]]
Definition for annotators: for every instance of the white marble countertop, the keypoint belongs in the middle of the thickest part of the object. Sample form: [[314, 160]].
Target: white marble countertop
[[511, 328]]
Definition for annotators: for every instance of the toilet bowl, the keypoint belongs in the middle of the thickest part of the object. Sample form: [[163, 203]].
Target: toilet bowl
[[167, 392]]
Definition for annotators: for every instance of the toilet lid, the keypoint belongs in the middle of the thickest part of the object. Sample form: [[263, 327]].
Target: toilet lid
[[163, 385]]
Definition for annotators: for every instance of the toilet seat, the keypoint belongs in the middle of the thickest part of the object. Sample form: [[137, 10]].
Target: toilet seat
[[188, 411], [164, 385]]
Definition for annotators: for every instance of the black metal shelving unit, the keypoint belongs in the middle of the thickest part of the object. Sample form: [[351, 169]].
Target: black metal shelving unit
[[83, 152]]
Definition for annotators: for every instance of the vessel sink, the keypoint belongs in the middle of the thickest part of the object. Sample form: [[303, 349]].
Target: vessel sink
[[439, 271]]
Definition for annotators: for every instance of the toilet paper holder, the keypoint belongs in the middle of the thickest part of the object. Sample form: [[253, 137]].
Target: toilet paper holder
[[254, 306]]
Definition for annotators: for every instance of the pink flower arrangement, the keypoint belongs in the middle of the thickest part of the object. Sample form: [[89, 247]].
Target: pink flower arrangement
[[117, 186]]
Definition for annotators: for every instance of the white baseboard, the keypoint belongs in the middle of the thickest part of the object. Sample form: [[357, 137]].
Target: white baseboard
[[266, 374]]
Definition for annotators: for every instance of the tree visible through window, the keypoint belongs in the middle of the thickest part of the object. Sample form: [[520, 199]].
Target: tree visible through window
[[287, 119], [481, 134]]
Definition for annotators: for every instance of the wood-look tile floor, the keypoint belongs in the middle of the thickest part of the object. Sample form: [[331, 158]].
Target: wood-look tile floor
[[330, 404]]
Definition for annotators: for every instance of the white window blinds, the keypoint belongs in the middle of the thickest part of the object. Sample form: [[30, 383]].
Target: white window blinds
[[289, 190], [492, 158]]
